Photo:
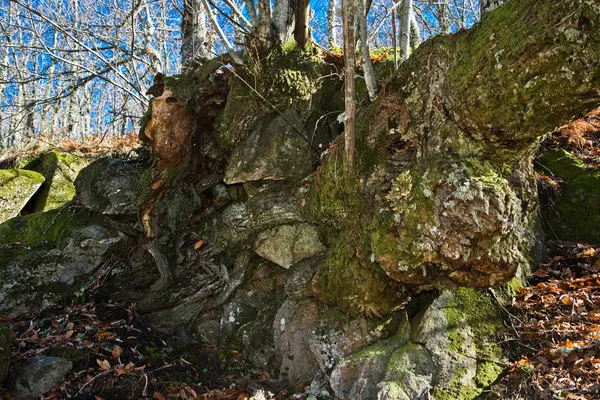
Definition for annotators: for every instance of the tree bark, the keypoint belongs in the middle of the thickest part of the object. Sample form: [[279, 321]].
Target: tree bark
[[349, 84], [195, 42], [489, 5], [405, 28], [365, 53], [332, 13], [444, 17]]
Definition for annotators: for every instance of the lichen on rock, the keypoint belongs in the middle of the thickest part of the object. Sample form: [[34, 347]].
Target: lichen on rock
[[17, 186]]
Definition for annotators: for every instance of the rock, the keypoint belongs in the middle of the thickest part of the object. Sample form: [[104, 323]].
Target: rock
[[336, 336], [291, 333], [17, 186], [37, 278], [288, 244], [242, 221], [357, 376], [60, 171], [87, 247], [109, 187], [36, 376], [277, 149], [458, 331], [410, 374], [5, 349]]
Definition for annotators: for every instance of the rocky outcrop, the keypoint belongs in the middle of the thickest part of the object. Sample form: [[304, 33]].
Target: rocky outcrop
[[36, 376], [33, 279], [447, 351], [17, 186]]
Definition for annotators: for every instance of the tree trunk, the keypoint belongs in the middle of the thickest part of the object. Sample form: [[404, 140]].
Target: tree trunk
[[444, 17], [365, 53], [489, 5], [196, 45], [405, 28], [332, 14], [301, 28], [349, 84]]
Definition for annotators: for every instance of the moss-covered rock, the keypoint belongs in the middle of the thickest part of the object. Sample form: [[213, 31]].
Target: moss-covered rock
[[47, 227], [60, 171], [574, 216], [17, 186], [459, 331], [41, 276]]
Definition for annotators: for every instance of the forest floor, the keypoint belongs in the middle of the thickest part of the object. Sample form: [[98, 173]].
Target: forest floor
[[553, 345]]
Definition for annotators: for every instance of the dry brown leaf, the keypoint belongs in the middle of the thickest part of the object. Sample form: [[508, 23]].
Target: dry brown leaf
[[104, 364], [158, 396], [116, 352]]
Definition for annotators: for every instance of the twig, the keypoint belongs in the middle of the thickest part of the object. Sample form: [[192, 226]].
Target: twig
[[145, 391], [91, 380]]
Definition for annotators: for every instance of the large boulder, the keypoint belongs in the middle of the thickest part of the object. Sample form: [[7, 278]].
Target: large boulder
[[33, 279], [447, 350], [36, 376], [60, 171], [17, 186], [109, 186]]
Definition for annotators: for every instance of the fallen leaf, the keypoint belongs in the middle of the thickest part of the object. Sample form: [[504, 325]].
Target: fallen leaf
[[158, 396], [116, 352], [104, 364], [198, 244]]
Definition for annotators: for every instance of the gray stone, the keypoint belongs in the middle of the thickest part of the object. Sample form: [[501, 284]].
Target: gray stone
[[432, 330], [36, 376], [5, 349], [337, 336], [291, 333], [38, 278], [410, 373], [17, 186], [288, 244], [356, 377], [277, 149], [109, 186]]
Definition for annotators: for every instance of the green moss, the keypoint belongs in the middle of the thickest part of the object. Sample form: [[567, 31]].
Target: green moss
[[575, 217], [563, 164], [348, 280], [17, 186], [47, 227], [37, 228], [475, 309], [60, 171]]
